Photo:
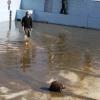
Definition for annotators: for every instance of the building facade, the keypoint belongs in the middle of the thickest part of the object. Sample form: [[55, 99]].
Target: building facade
[[82, 13]]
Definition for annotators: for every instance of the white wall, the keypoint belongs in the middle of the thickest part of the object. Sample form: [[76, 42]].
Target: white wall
[[4, 13]]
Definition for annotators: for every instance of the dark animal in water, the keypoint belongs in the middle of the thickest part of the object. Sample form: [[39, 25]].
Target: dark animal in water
[[56, 86]]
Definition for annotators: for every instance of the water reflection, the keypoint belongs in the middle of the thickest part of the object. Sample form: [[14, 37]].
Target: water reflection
[[26, 56], [87, 58], [56, 52], [87, 64], [60, 49], [8, 35], [84, 72]]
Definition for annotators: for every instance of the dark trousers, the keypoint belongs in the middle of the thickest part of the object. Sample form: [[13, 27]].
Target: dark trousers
[[63, 10], [27, 32]]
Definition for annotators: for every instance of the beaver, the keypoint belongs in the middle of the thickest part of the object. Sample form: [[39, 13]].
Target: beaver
[[56, 86]]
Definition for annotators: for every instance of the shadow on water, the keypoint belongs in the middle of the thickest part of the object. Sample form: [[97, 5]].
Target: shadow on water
[[65, 94]]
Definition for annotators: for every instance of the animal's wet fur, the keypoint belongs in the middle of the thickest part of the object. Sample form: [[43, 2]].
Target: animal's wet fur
[[56, 86]]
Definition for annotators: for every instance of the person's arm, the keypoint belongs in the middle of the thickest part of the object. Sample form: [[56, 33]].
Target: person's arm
[[31, 23]]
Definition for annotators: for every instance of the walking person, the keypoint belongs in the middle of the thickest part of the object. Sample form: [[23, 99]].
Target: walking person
[[63, 7], [27, 24]]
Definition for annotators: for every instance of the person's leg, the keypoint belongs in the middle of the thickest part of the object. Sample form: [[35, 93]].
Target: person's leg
[[65, 10], [61, 11], [25, 31], [28, 33]]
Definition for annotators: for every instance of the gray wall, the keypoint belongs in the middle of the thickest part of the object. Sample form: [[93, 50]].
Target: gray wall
[[37, 5], [83, 13]]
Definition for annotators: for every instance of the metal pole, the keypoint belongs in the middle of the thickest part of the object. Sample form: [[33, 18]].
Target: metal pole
[[10, 18], [10, 13]]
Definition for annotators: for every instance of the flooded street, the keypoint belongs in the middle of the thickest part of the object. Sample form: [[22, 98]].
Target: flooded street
[[68, 54]]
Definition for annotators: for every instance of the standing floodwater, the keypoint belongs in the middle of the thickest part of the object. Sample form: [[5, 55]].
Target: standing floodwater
[[70, 55]]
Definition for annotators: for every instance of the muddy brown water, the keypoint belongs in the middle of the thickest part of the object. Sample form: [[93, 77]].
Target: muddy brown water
[[68, 54]]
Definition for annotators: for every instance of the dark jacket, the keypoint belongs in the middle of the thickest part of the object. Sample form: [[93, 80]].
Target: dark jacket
[[26, 22]]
